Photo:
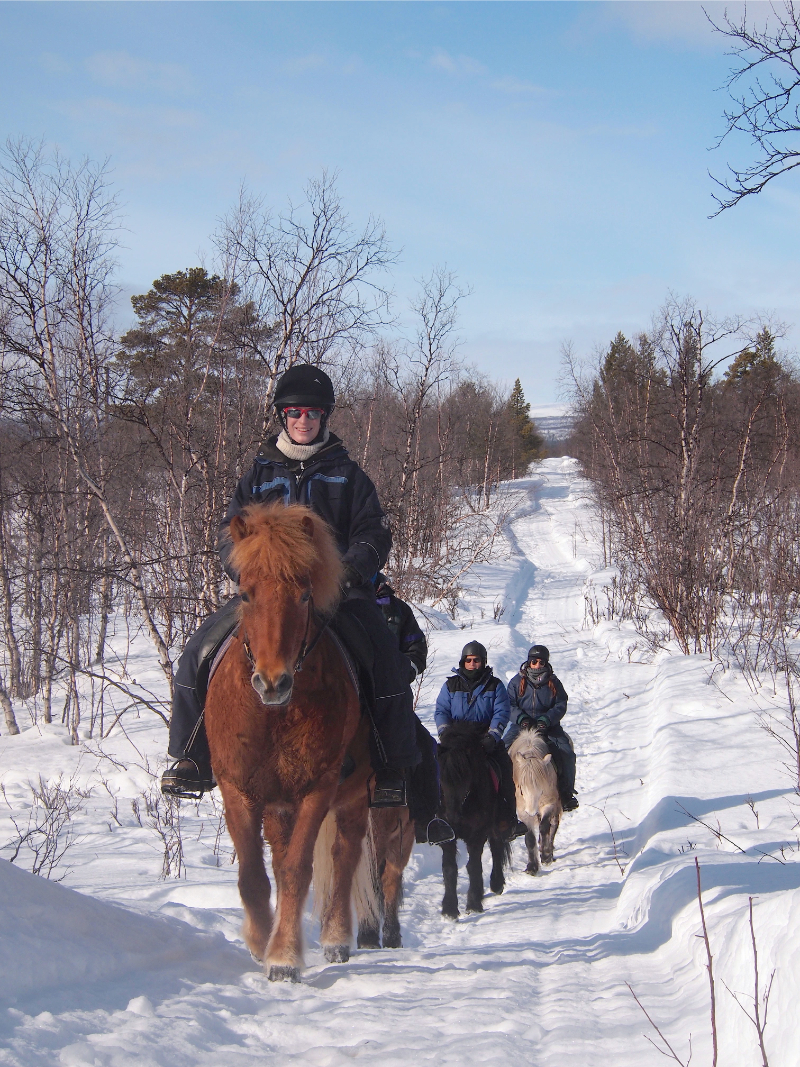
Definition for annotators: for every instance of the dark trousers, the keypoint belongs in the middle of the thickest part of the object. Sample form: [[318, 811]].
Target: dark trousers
[[423, 798], [392, 708], [564, 759]]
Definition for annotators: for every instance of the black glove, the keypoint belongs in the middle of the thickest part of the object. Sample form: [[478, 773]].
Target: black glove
[[542, 724], [524, 721], [490, 743], [351, 578]]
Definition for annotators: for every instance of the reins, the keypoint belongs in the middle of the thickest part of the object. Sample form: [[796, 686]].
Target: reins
[[306, 648]]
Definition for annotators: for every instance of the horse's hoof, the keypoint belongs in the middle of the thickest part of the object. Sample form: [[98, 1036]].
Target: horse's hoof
[[392, 941], [283, 973], [531, 870], [474, 908], [453, 915], [370, 940], [497, 887], [337, 953]]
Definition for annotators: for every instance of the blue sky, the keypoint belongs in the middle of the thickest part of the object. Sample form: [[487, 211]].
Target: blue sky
[[553, 155]]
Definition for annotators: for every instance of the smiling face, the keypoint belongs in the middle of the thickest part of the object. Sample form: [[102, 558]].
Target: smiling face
[[303, 428]]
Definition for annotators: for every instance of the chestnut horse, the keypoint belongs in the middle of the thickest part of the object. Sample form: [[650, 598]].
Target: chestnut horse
[[283, 717]]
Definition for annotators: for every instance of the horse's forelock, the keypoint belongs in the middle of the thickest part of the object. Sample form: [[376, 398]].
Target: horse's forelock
[[277, 548]]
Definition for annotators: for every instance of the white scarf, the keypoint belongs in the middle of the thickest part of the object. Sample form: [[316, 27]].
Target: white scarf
[[292, 450]]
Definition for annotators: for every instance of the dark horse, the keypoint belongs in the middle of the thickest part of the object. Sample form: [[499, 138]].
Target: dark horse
[[283, 716], [472, 806]]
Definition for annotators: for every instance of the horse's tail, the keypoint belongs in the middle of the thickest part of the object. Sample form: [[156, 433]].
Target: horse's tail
[[364, 893]]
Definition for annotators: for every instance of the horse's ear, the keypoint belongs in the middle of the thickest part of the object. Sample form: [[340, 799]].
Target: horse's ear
[[238, 528], [307, 524], [547, 758]]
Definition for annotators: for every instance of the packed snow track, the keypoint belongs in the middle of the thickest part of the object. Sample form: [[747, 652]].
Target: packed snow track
[[113, 966]]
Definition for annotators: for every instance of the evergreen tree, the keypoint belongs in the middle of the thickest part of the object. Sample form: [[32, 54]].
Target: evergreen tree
[[529, 444]]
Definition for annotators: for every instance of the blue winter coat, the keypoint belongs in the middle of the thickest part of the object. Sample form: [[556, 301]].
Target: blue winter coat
[[486, 702], [547, 701]]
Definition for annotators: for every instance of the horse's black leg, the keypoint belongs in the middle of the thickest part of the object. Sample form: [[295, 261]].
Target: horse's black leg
[[547, 833], [533, 853], [475, 872], [500, 857], [450, 876]]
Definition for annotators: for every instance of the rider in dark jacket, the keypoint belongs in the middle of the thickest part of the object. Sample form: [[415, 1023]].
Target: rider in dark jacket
[[539, 701], [307, 464], [424, 783], [402, 621]]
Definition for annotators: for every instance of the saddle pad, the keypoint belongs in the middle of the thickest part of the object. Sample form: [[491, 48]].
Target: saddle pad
[[495, 779]]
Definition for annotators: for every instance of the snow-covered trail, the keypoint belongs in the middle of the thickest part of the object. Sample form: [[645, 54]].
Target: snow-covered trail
[[539, 977]]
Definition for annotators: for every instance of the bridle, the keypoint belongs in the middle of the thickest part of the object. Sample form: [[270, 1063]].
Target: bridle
[[306, 647]]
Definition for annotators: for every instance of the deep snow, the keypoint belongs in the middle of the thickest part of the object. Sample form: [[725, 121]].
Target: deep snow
[[114, 966]]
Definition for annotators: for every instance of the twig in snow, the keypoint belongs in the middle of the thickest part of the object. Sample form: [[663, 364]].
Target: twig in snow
[[759, 1002], [721, 837], [671, 1054], [709, 965], [617, 849]]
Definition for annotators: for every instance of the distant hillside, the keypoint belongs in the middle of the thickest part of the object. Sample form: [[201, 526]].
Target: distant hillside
[[555, 429]]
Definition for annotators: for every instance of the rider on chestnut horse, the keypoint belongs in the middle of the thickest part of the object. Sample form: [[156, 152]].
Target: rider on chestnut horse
[[308, 464]]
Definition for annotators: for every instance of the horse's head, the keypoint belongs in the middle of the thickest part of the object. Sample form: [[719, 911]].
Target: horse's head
[[289, 567], [463, 768]]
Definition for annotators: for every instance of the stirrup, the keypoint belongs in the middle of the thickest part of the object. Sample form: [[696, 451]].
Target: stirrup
[[439, 832], [391, 793], [185, 782]]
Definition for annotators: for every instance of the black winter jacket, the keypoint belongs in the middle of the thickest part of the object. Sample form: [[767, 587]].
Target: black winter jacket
[[544, 701], [330, 483], [403, 623]]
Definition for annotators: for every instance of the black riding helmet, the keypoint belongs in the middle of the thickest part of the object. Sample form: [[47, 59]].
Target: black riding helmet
[[473, 648], [307, 386], [539, 675]]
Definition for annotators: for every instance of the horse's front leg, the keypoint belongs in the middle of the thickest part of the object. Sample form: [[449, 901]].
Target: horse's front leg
[[547, 835], [533, 852], [244, 826], [450, 877], [497, 879], [284, 959], [475, 873], [337, 931]]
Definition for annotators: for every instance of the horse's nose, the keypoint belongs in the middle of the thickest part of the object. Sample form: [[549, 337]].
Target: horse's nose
[[279, 692]]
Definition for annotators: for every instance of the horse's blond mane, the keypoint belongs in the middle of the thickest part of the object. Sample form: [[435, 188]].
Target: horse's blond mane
[[287, 544]]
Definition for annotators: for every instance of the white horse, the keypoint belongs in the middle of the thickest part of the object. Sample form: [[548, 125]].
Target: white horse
[[538, 802]]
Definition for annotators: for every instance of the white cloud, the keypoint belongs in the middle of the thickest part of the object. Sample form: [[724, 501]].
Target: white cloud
[[123, 71], [441, 60]]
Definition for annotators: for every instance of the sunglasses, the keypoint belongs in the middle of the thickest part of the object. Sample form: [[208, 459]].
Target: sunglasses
[[296, 413], [473, 659], [533, 662]]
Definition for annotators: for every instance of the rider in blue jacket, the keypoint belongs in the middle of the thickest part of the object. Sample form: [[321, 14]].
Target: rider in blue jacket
[[539, 702], [473, 694]]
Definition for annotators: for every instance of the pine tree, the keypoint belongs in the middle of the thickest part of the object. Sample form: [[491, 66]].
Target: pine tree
[[528, 443]]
